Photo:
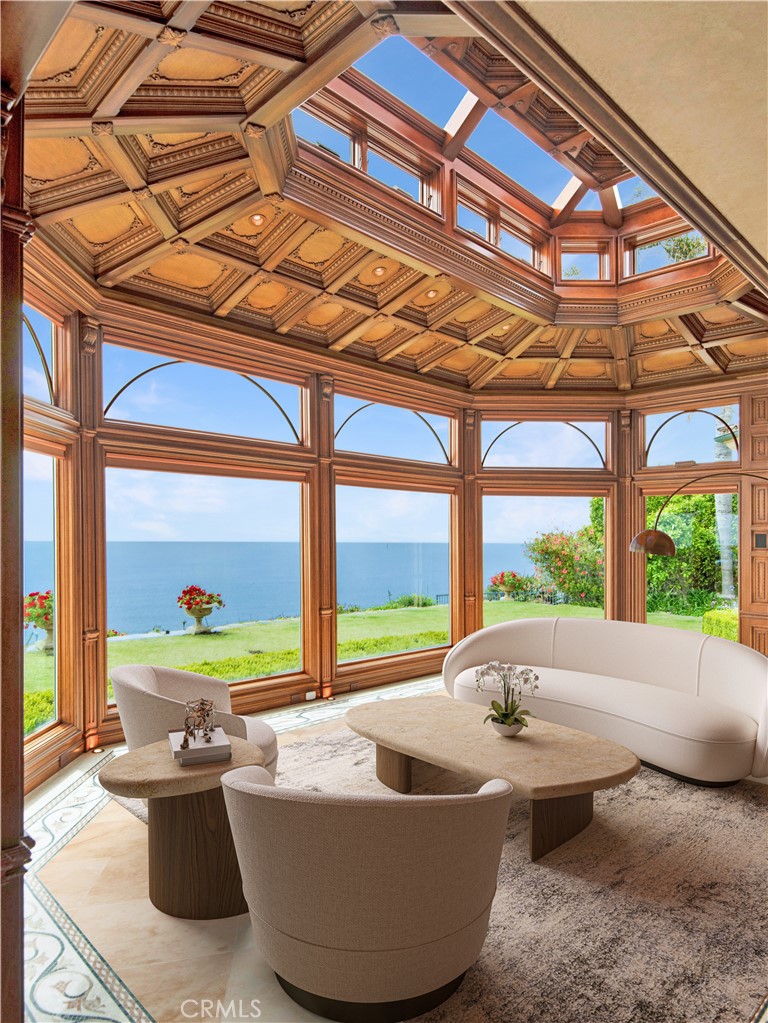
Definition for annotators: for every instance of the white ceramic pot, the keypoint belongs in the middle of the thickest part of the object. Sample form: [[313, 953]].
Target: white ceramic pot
[[198, 613], [507, 730]]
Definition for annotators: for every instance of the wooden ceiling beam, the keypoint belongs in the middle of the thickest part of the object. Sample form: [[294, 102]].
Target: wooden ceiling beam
[[121, 161], [620, 341], [283, 325], [413, 22], [360, 265], [286, 247], [685, 326], [562, 363], [610, 202], [478, 381], [131, 124], [350, 336], [132, 77], [184, 17], [270, 174], [430, 361], [180, 243], [396, 348], [335, 58], [567, 201], [524, 343], [465, 118], [236, 296], [754, 304]]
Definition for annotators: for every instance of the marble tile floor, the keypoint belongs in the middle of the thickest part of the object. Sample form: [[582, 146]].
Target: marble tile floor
[[99, 879]]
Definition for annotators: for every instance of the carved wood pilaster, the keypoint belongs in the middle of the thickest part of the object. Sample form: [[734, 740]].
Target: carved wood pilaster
[[320, 537], [15, 230], [466, 547]]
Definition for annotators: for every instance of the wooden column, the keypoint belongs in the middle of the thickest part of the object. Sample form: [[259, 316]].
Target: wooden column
[[15, 846], [466, 536], [87, 345], [320, 533], [625, 587]]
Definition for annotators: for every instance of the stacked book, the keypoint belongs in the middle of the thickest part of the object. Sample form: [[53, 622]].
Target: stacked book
[[199, 751]]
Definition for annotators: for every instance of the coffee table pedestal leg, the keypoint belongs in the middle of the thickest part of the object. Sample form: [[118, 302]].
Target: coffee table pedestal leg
[[393, 769], [554, 821], [193, 870]]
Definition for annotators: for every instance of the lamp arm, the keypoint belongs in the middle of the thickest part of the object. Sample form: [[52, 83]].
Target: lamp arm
[[696, 479]]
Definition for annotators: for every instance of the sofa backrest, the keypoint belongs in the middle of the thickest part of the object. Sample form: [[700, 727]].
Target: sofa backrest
[[689, 662]]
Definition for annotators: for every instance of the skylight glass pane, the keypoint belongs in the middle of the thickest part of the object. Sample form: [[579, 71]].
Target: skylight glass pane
[[402, 69], [634, 190], [471, 221], [591, 201], [312, 129], [581, 265], [515, 246], [679, 249], [502, 145], [392, 175]]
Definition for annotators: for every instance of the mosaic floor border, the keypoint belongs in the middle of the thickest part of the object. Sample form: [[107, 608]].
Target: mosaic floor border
[[67, 980]]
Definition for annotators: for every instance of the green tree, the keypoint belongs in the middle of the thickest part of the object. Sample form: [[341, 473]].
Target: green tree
[[684, 246]]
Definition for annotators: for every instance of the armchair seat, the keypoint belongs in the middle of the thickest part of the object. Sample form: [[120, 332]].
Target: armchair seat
[[399, 910], [150, 702]]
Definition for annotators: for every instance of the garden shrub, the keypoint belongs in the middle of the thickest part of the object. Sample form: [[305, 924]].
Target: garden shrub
[[723, 622], [38, 709], [404, 600], [256, 665], [571, 564]]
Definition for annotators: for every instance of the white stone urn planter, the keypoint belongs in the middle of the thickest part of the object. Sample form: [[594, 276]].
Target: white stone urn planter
[[199, 613]]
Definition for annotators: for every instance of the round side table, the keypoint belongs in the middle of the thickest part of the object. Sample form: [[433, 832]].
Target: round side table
[[193, 870]]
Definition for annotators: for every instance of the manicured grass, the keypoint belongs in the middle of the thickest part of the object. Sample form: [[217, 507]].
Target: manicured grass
[[281, 638]]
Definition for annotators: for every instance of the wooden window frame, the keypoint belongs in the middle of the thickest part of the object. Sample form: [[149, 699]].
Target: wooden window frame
[[498, 219], [630, 244]]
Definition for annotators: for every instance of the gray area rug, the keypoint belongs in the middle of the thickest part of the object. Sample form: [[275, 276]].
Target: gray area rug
[[656, 913]]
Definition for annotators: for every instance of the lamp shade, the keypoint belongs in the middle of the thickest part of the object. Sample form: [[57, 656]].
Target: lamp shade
[[653, 541]]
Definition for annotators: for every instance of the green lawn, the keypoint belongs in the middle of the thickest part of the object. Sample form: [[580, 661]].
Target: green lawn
[[283, 636]]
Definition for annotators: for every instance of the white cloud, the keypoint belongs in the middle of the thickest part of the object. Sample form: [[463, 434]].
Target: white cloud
[[37, 468], [35, 384], [517, 519]]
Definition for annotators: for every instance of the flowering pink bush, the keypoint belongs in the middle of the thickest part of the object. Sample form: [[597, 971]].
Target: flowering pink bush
[[570, 563]]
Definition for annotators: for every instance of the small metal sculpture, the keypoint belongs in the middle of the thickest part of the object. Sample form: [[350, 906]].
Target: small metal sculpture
[[199, 720]]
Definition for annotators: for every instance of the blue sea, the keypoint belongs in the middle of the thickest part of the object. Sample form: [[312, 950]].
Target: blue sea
[[257, 581]]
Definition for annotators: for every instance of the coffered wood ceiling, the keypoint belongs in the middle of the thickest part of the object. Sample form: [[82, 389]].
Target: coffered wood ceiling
[[157, 132]]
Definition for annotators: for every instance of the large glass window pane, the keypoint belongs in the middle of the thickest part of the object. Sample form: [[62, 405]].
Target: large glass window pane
[[37, 348], [237, 538], [386, 430], [392, 571], [543, 557], [678, 249], [195, 397], [701, 435], [543, 445], [469, 220], [515, 246], [697, 589], [40, 609], [578, 265]]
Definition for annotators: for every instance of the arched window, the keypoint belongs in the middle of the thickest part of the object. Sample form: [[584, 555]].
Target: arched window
[[693, 436], [378, 429], [37, 344], [543, 445]]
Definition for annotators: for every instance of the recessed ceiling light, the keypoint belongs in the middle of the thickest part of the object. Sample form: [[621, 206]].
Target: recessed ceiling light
[[379, 270], [257, 219], [505, 328], [432, 293]]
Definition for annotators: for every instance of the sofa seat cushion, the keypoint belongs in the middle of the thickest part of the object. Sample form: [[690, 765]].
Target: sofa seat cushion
[[688, 735]]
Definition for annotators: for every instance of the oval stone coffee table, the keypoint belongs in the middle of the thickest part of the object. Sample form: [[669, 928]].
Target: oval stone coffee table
[[555, 768], [193, 870]]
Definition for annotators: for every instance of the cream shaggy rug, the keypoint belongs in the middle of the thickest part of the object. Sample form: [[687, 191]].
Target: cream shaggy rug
[[656, 913]]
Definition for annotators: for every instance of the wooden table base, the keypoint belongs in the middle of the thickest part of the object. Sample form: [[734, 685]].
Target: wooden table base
[[550, 821], [193, 870]]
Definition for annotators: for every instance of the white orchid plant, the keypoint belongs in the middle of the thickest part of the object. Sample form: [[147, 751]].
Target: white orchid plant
[[510, 681]]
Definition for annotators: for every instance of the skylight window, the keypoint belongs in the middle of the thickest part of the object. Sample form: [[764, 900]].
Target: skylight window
[[677, 249], [502, 145], [634, 190], [400, 68], [469, 220], [312, 129], [580, 266], [390, 174], [515, 246], [591, 201]]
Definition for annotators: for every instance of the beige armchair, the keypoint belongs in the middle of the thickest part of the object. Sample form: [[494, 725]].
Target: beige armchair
[[367, 907], [150, 701]]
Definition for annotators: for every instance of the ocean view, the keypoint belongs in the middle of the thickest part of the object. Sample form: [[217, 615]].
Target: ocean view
[[258, 581]]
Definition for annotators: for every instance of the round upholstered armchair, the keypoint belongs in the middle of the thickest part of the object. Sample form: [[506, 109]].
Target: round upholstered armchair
[[150, 702], [367, 907]]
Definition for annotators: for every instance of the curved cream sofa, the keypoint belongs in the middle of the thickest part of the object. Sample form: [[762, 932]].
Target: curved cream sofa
[[692, 705]]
